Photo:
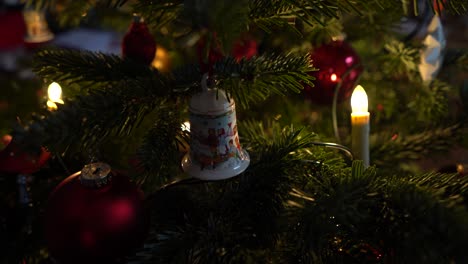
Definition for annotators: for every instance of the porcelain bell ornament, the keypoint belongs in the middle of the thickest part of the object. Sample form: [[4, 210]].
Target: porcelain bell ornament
[[215, 151]]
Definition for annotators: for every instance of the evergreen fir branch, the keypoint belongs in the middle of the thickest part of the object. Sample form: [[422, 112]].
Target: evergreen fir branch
[[333, 206], [377, 22], [115, 3], [226, 19], [187, 78], [271, 14], [223, 19], [415, 216], [75, 12], [261, 192], [159, 13], [400, 60], [325, 32], [73, 66], [159, 155], [449, 188], [431, 103], [256, 79], [49, 130], [388, 152], [340, 212], [256, 135], [250, 80], [214, 229], [119, 114]]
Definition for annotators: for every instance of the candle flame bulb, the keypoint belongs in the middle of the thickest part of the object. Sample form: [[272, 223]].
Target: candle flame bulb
[[359, 100], [186, 126], [360, 121], [55, 93]]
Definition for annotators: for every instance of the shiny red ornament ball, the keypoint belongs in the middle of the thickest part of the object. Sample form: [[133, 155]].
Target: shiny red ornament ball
[[438, 6], [334, 60], [95, 220], [209, 52], [244, 48], [14, 159], [138, 43]]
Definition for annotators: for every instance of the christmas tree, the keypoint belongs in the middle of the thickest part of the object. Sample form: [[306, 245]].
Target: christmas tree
[[277, 165]]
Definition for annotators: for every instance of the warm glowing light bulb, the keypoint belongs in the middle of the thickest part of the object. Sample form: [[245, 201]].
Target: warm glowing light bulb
[[186, 126], [161, 59], [359, 100], [333, 77], [55, 93]]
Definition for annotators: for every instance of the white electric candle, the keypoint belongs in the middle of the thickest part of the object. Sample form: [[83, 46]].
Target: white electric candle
[[360, 126], [54, 91]]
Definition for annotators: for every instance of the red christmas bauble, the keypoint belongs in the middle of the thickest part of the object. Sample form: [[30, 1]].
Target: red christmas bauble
[[138, 43], [337, 62], [244, 47], [208, 53], [95, 216], [438, 6], [13, 159]]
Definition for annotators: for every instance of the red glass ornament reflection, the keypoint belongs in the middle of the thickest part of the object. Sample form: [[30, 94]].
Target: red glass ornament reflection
[[13, 159], [95, 225], [337, 63]]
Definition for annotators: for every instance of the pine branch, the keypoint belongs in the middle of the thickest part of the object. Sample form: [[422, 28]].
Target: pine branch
[[212, 228], [400, 60], [84, 67], [249, 80], [388, 152], [268, 15], [431, 103], [159, 155], [120, 111], [359, 211], [208, 14], [159, 13], [136, 90], [324, 32], [187, 78], [115, 3], [415, 216], [448, 188], [256, 79], [328, 210], [50, 130]]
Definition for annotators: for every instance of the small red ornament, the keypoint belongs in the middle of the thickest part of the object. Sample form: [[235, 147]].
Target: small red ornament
[[334, 60], [438, 5], [138, 43], [245, 47], [13, 159], [95, 216], [208, 53]]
